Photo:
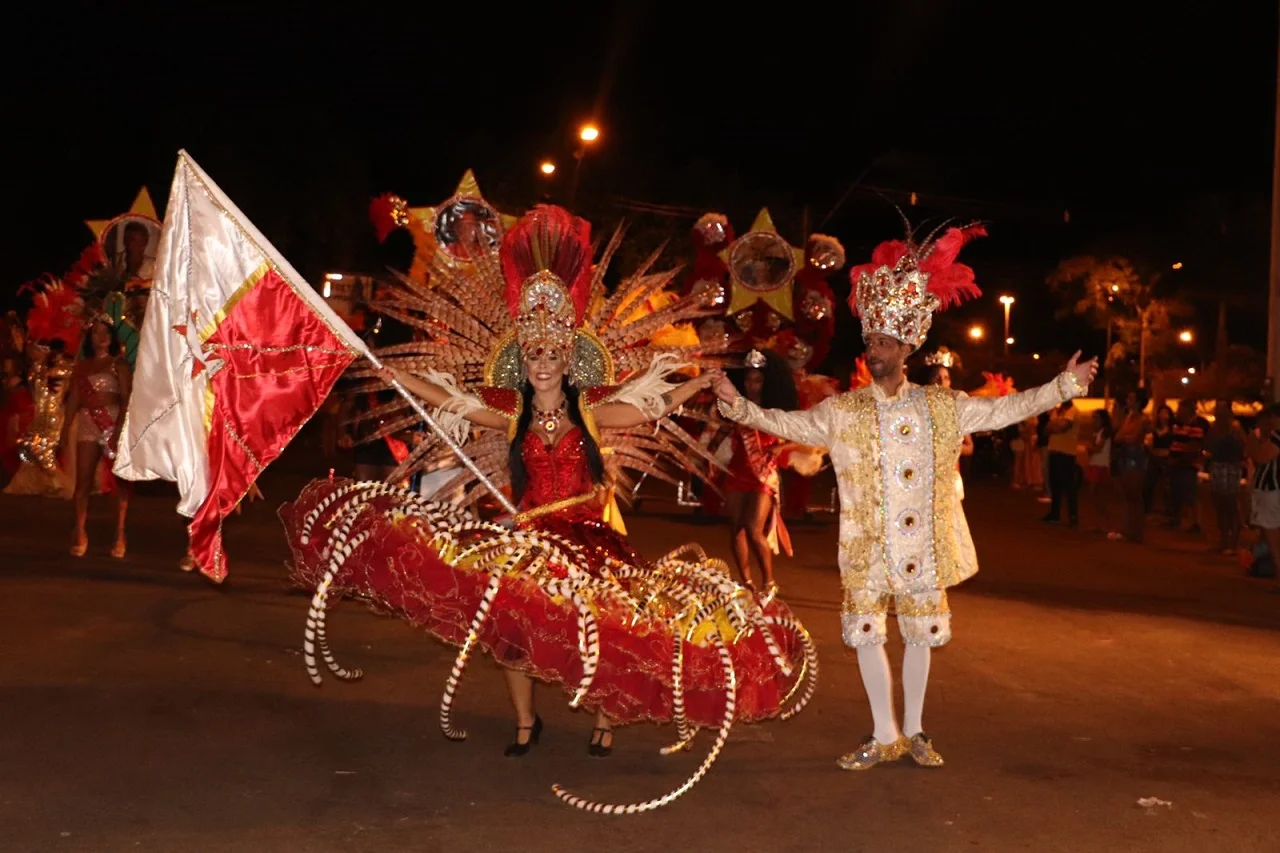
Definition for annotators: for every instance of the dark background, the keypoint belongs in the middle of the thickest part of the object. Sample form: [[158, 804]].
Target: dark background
[[1151, 123]]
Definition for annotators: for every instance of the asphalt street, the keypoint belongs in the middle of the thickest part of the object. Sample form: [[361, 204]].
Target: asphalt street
[[147, 709]]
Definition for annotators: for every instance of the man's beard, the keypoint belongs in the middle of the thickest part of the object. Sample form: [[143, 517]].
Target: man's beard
[[882, 369]]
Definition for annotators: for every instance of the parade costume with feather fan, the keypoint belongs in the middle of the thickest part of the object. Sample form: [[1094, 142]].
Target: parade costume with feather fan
[[563, 598]]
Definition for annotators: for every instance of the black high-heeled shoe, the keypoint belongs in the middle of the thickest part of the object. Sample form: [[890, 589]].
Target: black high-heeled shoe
[[596, 747], [516, 749]]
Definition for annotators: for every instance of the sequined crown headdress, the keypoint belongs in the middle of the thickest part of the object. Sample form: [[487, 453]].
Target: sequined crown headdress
[[546, 262], [942, 358], [906, 282]]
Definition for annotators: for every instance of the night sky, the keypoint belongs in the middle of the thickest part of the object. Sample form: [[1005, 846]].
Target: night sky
[[1152, 126]]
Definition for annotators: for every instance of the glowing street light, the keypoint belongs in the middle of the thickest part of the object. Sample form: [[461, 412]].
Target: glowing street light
[[1007, 302], [547, 167], [1186, 336], [1178, 265], [1191, 370], [589, 133], [1115, 288], [977, 332], [1035, 356]]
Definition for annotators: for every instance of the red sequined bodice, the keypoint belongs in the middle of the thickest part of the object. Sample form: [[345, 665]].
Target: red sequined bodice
[[555, 473]]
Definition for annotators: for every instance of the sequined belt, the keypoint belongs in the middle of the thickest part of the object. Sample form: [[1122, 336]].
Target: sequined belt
[[555, 506]]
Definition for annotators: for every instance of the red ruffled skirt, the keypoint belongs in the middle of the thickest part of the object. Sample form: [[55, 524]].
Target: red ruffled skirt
[[427, 572]]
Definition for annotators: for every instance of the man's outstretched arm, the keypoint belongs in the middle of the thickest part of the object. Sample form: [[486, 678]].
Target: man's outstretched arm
[[811, 427], [983, 414]]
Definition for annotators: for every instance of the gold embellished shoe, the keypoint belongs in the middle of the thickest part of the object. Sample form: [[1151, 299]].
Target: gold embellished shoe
[[922, 751], [873, 752]]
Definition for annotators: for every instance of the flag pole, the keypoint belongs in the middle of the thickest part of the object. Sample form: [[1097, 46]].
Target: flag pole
[[467, 462]]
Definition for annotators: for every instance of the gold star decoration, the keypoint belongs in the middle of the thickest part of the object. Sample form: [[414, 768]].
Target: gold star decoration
[[762, 244], [422, 225], [141, 205]]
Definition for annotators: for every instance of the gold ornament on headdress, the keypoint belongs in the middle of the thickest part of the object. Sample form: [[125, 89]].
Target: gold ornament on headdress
[[546, 318]]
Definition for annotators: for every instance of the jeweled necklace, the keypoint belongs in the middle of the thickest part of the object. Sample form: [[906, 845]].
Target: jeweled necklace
[[550, 421]]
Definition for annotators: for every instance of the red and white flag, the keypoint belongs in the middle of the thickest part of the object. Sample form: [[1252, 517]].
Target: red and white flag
[[237, 353]]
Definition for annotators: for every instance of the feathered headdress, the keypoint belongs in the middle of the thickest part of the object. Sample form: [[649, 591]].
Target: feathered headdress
[[996, 385], [56, 314], [861, 376], [942, 358], [546, 263], [388, 212], [906, 282]]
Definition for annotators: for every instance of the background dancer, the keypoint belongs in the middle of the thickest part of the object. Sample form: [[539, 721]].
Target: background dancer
[[752, 484], [100, 388]]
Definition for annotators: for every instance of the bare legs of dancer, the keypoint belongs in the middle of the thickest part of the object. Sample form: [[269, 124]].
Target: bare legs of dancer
[[88, 454], [520, 687], [748, 520]]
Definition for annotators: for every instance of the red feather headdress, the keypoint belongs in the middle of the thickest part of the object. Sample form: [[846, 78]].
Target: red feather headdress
[[56, 314], [906, 282], [546, 262]]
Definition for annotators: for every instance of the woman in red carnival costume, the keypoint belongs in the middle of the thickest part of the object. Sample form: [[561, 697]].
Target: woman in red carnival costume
[[563, 597], [100, 388], [751, 486]]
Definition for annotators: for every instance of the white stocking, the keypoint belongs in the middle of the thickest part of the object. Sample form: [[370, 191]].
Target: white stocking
[[873, 662], [915, 678]]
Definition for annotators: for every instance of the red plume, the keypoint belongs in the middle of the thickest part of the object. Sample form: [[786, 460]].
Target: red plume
[[548, 238], [951, 282], [388, 212], [55, 315]]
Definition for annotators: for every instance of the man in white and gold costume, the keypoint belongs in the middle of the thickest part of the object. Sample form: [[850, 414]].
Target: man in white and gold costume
[[895, 446]]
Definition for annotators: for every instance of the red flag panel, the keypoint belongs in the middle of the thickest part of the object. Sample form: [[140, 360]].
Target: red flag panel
[[279, 362]]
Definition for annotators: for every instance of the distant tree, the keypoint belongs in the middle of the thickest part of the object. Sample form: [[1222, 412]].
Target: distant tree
[[1114, 294]]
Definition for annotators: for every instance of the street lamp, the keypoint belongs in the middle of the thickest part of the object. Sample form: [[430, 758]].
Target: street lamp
[[1178, 265], [977, 332], [547, 167], [589, 133], [1007, 302], [1187, 336]]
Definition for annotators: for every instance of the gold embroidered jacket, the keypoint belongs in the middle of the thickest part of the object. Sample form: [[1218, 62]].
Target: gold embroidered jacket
[[902, 526]]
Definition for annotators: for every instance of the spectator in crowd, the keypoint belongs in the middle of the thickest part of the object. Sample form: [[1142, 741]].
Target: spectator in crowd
[[1129, 461], [1063, 442], [1157, 484], [1263, 448], [1224, 454], [1098, 472], [1185, 454]]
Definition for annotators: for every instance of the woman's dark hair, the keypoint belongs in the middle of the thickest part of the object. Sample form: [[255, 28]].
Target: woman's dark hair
[[935, 370], [779, 383], [86, 348], [515, 457], [1104, 423], [1141, 396], [1164, 410]]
